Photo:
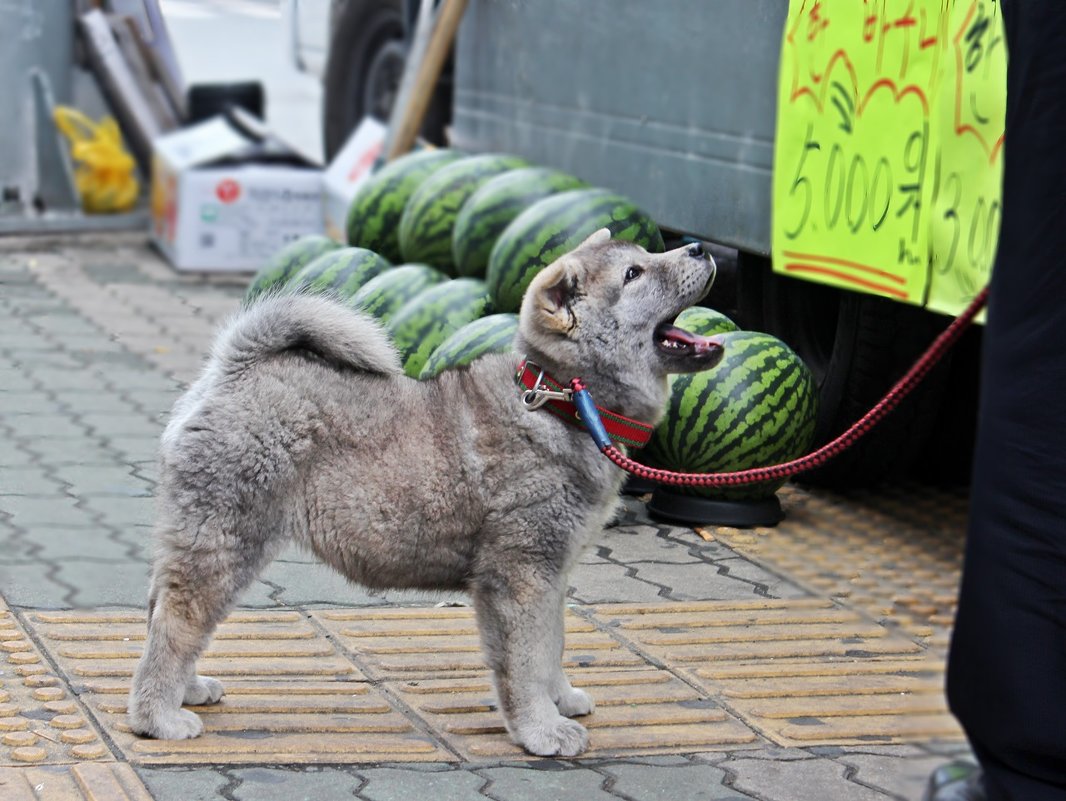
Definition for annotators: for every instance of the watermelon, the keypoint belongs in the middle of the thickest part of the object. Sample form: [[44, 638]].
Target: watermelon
[[375, 211], [288, 261], [341, 272], [383, 295], [554, 226], [491, 208], [432, 316], [705, 322], [492, 334], [756, 407], [428, 218]]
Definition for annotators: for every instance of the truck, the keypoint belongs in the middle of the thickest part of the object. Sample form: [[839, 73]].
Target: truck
[[675, 104]]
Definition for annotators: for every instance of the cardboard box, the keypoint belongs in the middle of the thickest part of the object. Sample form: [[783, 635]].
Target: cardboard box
[[348, 170], [227, 194]]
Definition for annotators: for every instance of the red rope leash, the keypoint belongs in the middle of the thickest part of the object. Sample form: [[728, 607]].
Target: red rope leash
[[890, 401]]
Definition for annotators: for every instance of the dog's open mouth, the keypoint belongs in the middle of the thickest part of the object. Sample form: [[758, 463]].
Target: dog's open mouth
[[678, 342]]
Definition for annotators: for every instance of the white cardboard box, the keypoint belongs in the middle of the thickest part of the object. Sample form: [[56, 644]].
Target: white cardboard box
[[350, 168], [227, 196]]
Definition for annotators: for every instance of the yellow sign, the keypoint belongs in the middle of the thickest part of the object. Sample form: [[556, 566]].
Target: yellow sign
[[888, 150]]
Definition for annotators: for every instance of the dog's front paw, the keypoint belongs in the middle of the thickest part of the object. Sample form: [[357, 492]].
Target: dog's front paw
[[574, 703], [202, 690], [556, 737], [178, 725]]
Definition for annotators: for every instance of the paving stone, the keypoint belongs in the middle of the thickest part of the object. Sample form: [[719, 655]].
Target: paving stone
[[13, 455], [103, 583], [311, 784], [48, 426], [522, 784], [83, 451], [13, 379], [690, 782], [115, 480], [136, 449], [15, 403], [903, 776], [705, 582], [31, 585], [28, 481], [642, 544], [29, 511], [184, 784], [399, 784], [82, 380], [122, 512], [85, 402], [820, 779], [315, 583], [77, 543], [592, 584], [121, 425]]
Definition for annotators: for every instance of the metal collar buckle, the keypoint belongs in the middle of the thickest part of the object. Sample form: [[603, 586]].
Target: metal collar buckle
[[536, 397]]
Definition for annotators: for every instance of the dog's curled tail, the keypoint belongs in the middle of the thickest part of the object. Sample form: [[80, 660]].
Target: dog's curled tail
[[314, 323]]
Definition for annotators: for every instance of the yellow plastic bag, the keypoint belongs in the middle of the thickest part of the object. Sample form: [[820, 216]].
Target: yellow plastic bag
[[103, 171]]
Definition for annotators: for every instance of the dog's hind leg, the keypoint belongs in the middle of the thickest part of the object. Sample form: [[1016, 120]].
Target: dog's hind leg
[[520, 619], [194, 585]]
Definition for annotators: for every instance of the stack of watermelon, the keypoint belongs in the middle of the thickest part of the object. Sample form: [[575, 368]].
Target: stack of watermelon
[[756, 407], [469, 233]]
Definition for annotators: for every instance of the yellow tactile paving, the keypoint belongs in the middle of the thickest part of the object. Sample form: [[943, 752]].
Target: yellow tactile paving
[[103, 645], [88, 782], [408, 684], [798, 671], [40, 721], [895, 554], [637, 712], [291, 697], [443, 642]]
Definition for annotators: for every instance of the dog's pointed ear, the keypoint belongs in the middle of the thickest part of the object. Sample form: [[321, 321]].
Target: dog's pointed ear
[[600, 237], [550, 298]]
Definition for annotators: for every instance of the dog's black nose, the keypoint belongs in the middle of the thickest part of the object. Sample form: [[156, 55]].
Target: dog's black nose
[[696, 250]]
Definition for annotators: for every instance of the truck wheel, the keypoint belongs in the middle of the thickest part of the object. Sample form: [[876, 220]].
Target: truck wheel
[[367, 54], [857, 346]]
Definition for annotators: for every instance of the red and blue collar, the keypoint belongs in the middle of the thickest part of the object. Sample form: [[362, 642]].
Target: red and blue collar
[[541, 390]]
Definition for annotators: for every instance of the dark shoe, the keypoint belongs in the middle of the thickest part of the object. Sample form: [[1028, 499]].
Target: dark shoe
[[957, 781]]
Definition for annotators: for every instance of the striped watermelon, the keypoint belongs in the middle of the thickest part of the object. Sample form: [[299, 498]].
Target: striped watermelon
[[492, 334], [341, 272], [375, 211], [432, 316], [428, 218], [383, 295], [288, 261], [491, 208], [554, 226], [705, 322], [756, 407]]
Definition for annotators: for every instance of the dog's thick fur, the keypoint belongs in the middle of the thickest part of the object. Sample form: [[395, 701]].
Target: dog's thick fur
[[303, 428]]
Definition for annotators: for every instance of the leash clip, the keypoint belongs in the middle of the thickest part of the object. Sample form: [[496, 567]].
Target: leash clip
[[536, 397]]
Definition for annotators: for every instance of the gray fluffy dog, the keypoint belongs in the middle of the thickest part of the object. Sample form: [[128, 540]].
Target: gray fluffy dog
[[303, 428]]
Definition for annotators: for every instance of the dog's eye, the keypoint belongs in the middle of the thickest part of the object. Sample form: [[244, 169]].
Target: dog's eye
[[633, 273]]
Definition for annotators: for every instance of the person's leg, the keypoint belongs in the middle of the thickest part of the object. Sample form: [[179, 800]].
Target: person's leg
[[1007, 666]]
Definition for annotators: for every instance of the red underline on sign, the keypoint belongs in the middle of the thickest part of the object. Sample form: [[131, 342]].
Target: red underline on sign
[[794, 267], [854, 265]]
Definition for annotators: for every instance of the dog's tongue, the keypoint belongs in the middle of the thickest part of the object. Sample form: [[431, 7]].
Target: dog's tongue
[[682, 340]]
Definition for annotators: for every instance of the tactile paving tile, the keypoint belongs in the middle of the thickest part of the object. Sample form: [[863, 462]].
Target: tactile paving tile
[[88, 782], [637, 712], [290, 696], [40, 720], [799, 671], [402, 643], [896, 554]]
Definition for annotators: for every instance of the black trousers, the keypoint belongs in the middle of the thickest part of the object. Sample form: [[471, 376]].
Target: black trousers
[[1007, 666]]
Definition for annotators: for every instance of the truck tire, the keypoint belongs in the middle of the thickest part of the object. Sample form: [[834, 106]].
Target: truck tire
[[857, 346], [367, 53]]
